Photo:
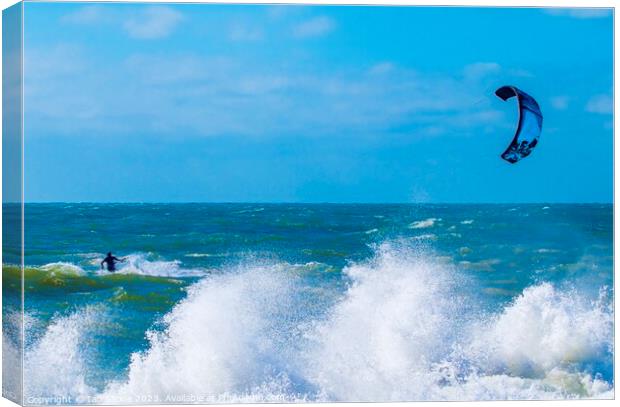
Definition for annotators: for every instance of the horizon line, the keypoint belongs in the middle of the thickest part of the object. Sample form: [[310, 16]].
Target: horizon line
[[310, 203]]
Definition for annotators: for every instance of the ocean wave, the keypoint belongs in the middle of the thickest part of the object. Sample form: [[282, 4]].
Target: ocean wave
[[199, 255], [137, 263], [63, 268], [225, 340], [546, 330], [11, 364], [251, 210], [11, 354], [482, 265], [426, 236], [140, 264], [544, 250], [404, 329], [71, 278], [423, 224], [57, 364]]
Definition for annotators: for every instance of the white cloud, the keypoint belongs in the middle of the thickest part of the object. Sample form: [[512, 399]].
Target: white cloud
[[49, 72], [278, 12], [314, 27], [157, 70], [60, 61], [193, 94], [602, 104], [244, 33], [581, 13], [560, 102], [89, 14], [150, 22], [521, 73], [479, 70], [381, 68], [153, 22]]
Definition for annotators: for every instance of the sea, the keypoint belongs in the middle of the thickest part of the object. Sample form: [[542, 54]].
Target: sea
[[233, 303]]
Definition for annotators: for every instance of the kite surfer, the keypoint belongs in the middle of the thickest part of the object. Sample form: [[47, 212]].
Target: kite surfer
[[111, 261]]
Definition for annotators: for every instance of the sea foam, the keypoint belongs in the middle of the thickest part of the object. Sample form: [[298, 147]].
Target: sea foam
[[405, 328], [423, 224], [57, 364], [135, 263], [226, 341], [141, 264]]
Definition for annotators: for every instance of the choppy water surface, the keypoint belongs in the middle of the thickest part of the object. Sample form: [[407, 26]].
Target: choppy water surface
[[280, 302]]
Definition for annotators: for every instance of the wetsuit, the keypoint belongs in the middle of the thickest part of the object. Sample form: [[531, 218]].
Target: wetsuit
[[110, 262]]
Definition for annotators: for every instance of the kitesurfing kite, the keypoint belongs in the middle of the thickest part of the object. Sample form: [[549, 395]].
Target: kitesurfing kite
[[529, 125]]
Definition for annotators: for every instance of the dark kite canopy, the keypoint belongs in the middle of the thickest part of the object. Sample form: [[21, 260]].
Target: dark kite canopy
[[529, 125]]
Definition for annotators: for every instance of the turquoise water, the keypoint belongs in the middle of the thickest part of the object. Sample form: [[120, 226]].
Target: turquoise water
[[294, 302]]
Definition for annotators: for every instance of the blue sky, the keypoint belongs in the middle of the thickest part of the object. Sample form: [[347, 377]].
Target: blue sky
[[187, 102]]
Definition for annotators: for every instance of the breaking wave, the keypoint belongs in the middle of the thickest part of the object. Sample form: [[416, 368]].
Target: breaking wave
[[139, 264], [423, 224], [135, 264], [405, 327], [57, 364]]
